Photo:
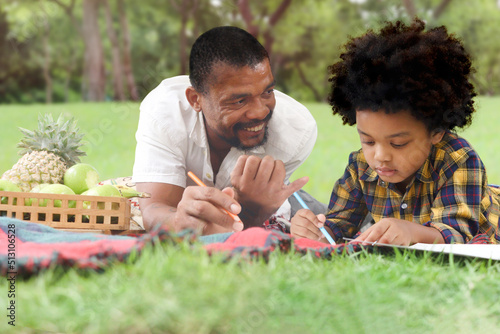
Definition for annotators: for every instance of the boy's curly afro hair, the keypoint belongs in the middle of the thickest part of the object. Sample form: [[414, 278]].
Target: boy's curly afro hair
[[405, 68]]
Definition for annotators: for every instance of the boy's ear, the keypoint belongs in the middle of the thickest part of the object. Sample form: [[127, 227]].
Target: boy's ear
[[193, 98], [436, 136]]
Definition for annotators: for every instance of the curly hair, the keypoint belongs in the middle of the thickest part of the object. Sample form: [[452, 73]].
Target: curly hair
[[226, 44], [405, 68]]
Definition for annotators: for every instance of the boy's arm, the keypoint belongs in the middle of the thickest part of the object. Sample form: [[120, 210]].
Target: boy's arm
[[400, 232], [456, 209], [347, 208]]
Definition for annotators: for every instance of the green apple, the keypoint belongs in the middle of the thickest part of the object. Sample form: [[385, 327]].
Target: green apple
[[57, 188], [36, 190], [6, 185], [106, 190], [81, 177]]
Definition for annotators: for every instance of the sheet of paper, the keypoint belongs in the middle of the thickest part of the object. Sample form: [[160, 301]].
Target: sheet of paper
[[485, 251]]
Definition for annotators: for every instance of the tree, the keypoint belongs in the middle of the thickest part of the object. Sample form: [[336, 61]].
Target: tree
[[270, 20], [127, 58], [116, 62], [186, 10], [94, 78]]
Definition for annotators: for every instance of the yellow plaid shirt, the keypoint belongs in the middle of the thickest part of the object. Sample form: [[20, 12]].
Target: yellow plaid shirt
[[449, 193]]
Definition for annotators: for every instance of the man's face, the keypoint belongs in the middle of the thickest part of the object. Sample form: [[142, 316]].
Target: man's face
[[394, 145], [238, 105]]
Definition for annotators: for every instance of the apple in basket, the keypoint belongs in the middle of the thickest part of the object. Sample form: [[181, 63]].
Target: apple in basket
[[6, 185], [106, 190], [56, 188], [81, 177]]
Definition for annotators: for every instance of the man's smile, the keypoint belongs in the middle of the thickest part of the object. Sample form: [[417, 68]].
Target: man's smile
[[256, 128]]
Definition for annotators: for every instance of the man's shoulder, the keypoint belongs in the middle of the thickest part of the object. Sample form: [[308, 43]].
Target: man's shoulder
[[168, 99], [292, 127], [291, 115], [166, 108]]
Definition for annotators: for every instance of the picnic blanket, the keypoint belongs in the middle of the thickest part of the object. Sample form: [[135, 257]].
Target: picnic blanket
[[28, 248]]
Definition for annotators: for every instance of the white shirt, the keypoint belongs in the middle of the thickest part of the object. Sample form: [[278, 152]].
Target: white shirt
[[171, 138]]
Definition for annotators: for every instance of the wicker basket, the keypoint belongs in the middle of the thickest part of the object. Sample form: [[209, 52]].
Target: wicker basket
[[109, 215]]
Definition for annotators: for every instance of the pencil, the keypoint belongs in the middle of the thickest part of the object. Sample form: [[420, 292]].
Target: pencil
[[201, 184], [322, 228]]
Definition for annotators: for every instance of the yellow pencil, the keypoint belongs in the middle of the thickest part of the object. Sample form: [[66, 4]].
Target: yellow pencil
[[201, 184]]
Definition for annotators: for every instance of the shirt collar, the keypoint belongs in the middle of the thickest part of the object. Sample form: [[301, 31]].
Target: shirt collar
[[198, 133]]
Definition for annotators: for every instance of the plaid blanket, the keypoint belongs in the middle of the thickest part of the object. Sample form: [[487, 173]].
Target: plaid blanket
[[28, 248]]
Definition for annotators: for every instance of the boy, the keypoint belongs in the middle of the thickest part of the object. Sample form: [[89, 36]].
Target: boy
[[406, 90]]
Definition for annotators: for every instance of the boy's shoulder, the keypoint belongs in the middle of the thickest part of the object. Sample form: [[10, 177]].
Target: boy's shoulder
[[453, 148], [451, 153]]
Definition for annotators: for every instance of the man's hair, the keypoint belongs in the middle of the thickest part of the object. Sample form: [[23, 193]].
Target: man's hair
[[229, 45], [405, 68]]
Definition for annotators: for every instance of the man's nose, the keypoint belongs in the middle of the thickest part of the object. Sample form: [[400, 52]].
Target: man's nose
[[258, 109]]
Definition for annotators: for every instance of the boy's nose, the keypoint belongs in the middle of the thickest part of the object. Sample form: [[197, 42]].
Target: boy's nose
[[382, 153]]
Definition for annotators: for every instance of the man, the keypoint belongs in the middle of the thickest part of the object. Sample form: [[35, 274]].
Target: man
[[227, 125]]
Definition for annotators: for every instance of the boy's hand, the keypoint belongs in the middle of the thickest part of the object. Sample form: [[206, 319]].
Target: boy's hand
[[305, 224], [400, 232]]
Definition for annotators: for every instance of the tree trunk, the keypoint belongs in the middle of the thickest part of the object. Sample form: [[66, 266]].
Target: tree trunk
[[94, 78], [440, 9], [307, 83], [246, 14], [186, 9], [119, 94], [410, 8], [46, 63], [127, 58]]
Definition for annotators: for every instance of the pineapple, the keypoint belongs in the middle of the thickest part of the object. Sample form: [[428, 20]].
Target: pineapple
[[46, 153]]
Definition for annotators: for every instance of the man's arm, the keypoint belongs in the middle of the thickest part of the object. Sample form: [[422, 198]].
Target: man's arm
[[197, 208]]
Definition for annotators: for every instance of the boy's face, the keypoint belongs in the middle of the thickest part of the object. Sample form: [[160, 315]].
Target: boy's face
[[394, 145]]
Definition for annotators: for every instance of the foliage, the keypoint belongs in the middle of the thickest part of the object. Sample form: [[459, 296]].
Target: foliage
[[307, 39]]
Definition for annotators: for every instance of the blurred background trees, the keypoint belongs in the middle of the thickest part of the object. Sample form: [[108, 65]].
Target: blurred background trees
[[95, 50]]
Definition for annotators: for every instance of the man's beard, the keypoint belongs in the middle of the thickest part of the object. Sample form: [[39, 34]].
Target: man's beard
[[235, 141]]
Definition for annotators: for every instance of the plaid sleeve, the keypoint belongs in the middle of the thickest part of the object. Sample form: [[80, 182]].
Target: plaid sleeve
[[457, 207], [347, 208]]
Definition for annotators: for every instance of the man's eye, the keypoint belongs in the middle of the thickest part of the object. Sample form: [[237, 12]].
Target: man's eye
[[366, 142], [399, 145]]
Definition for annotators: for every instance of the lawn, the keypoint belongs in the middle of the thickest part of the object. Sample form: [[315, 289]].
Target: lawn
[[180, 289]]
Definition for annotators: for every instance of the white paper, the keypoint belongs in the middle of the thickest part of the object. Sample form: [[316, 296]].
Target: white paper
[[484, 251]]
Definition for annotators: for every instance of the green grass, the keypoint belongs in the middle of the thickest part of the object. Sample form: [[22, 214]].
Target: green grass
[[180, 289], [109, 130]]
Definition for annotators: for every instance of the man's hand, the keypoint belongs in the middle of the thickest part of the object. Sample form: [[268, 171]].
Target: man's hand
[[305, 224], [400, 232], [199, 208], [260, 188]]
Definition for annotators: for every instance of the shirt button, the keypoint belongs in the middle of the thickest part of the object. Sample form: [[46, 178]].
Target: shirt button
[[208, 176], [382, 183], [404, 206]]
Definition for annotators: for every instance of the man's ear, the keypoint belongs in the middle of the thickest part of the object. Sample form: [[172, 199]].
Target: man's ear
[[193, 98], [437, 136]]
